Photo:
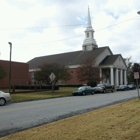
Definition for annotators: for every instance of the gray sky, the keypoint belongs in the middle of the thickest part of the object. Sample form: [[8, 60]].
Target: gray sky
[[44, 27]]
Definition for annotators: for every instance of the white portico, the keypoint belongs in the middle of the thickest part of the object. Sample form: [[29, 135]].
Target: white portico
[[113, 70]]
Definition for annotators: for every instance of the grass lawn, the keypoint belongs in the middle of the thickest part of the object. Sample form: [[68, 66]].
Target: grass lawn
[[20, 97], [116, 122]]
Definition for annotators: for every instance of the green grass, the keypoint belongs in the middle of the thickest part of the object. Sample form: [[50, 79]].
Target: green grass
[[62, 92]]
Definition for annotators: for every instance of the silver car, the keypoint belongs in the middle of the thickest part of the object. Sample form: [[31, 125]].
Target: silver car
[[4, 98]]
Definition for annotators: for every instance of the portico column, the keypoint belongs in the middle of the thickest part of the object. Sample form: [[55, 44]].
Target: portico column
[[125, 78], [116, 77], [121, 77], [101, 75], [112, 76]]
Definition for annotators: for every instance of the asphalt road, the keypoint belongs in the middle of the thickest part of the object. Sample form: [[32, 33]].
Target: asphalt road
[[19, 116]]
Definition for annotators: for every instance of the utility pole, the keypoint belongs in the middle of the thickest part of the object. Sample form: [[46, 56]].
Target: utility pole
[[138, 75], [10, 67]]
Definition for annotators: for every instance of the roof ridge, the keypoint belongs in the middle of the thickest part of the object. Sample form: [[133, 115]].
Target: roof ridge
[[58, 54]]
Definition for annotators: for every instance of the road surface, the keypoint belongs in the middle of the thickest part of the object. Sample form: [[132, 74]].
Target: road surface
[[20, 116]]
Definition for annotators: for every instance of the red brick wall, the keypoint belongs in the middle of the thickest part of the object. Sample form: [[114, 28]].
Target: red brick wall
[[19, 73], [74, 79]]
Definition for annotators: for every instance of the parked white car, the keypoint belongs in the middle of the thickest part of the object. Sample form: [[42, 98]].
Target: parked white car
[[4, 98]]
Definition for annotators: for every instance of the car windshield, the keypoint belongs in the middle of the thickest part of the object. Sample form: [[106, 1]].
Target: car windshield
[[81, 88], [100, 85], [121, 86]]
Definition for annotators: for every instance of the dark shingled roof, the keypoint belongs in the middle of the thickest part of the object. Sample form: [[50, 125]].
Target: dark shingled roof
[[110, 59], [70, 58]]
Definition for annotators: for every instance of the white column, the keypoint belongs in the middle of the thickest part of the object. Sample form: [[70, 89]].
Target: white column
[[125, 78], [112, 76], [101, 74], [121, 77], [116, 77]]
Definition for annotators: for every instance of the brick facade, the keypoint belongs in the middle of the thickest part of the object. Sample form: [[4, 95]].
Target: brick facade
[[74, 79], [19, 73]]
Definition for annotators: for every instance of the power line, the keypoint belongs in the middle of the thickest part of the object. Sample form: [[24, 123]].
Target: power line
[[80, 35], [61, 26], [116, 23], [53, 41], [42, 27]]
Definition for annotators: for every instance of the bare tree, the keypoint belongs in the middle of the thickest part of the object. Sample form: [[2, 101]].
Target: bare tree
[[136, 68], [88, 71], [61, 73], [129, 63]]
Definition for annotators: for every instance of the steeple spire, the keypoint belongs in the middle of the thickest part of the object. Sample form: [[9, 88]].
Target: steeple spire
[[89, 19], [89, 41]]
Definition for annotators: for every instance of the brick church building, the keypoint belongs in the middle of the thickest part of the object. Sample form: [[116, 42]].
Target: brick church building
[[112, 66]]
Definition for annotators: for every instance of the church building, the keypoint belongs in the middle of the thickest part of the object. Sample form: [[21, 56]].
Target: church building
[[112, 66]]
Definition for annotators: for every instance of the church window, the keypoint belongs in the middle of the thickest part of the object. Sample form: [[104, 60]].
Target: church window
[[71, 72], [32, 78], [87, 35]]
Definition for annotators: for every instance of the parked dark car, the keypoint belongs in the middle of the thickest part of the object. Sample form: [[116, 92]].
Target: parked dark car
[[131, 86], [83, 90], [104, 87], [122, 88]]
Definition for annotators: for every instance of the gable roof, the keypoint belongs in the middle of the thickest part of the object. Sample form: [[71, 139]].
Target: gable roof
[[70, 58], [110, 59]]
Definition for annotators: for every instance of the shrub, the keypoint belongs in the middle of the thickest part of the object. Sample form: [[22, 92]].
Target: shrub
[[92, 83]]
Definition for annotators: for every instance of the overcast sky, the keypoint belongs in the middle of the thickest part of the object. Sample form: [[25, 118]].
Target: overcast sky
[[44, 27]]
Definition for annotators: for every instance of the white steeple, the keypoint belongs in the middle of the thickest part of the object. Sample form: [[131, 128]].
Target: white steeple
[[89, 41], [89, 20]]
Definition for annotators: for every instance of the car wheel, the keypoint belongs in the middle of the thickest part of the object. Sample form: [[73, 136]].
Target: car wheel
[[104, 91], [2, 101], [92, 92], [84, 93]]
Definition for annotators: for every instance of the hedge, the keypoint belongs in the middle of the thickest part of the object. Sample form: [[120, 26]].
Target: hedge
[[33, 87]]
